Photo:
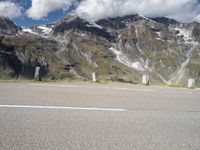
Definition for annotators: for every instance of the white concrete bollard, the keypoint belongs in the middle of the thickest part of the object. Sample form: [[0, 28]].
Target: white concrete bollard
[[94, 77], [145, 80], [37, 74], [191, 83]]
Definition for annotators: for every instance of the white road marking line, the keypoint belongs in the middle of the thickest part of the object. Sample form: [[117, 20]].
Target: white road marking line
[[88, 87], [63, 108], [56, 85], [129, 89], [178, 92]]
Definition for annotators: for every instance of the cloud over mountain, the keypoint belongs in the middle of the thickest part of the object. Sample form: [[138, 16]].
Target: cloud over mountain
[[42, 8], [93, 10], [183, 10], [10, 9]]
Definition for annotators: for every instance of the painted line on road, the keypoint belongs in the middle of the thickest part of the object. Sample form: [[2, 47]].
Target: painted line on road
[[95, 109], [88, 87], [63, 108], [129, 89]]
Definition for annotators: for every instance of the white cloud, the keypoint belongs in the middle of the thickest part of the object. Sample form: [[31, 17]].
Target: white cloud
[[93, 10], [182, 10], [42, 8], [10, 9]]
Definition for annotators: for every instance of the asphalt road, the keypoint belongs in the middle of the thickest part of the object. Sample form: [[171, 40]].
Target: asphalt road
[[98, 117]]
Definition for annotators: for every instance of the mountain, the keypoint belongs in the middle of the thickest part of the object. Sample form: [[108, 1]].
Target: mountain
[[118, 49], [7, 26]]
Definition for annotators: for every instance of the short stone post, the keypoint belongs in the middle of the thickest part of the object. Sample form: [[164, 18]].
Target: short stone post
[[94, 77], [145, 80], [37, 74], [191, 83]]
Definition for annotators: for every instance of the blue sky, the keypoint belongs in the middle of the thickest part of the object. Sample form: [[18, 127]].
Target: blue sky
[[31, 12], [28, 22], [25, 21]]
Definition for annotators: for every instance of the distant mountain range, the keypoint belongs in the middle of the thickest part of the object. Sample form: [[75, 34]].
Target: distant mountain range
[[118, 49]]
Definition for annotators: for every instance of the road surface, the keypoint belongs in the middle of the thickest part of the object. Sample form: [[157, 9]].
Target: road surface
[[98, 117]]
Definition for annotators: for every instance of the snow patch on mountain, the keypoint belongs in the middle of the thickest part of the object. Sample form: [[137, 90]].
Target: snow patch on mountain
[[42, 30], [159, 36], [158, 33], [28, 30], [124, 60], [186, 34], [45, 30], [95, 25]]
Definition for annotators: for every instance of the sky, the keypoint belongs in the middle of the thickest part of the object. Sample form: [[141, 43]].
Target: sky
[[31, 12]]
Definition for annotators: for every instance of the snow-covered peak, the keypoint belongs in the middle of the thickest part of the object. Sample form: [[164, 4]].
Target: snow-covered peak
[[44, 29], [28, 30]]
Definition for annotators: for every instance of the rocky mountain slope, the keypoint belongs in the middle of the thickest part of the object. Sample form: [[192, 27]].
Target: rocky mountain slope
[[118, 49]]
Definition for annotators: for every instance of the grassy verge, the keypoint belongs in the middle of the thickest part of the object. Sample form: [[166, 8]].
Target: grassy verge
[[66, 81]]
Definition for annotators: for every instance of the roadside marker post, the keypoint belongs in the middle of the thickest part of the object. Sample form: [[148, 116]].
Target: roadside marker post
[[191, 83], [37, 74], [94, 77], [145, 80]]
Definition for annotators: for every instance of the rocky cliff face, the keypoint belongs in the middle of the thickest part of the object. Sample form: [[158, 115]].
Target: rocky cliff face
[[7, 27], [118, 49]]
